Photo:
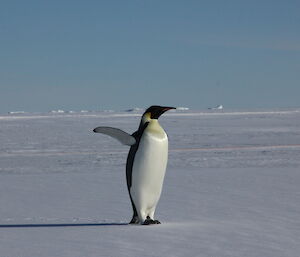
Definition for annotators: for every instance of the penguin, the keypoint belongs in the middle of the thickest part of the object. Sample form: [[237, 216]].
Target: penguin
[[146, 163]]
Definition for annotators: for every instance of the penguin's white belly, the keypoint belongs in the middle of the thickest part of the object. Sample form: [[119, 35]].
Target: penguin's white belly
[[148, 170]]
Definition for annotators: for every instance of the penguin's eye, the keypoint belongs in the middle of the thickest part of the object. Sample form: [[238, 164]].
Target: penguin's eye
[[155, 114]]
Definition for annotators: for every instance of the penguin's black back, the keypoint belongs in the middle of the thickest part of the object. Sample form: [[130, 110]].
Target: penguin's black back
[[133, 149]]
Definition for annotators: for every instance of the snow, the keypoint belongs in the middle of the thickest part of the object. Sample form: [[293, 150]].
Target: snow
[[58, 111], [16, 112], [136, 109], [218, 107], [231, 188], [182, 109]]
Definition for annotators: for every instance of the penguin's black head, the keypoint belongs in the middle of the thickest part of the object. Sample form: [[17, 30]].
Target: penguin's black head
[[156, 111]]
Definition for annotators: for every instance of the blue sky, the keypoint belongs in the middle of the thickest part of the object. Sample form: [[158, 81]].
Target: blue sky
[[97, 55]]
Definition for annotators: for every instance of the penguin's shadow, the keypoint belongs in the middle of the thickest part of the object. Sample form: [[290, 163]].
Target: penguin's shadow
[[53, 225]]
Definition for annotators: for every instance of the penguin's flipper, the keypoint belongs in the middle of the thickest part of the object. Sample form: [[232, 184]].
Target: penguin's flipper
[[118, 134]]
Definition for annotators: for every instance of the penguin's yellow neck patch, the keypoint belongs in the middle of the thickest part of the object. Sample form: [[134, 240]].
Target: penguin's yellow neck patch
[[146, 117]]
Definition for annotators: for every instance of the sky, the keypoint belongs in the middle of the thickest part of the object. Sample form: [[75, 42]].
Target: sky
[[109, 54]]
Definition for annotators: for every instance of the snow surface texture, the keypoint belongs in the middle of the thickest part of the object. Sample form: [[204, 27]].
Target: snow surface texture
[[231, 188]]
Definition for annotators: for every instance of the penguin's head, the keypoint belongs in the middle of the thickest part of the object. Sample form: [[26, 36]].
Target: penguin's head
[[155, 111]]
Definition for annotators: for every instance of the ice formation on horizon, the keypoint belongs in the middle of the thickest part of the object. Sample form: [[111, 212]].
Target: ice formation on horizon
[[218, 107], [57, 111], [136, 109], [17, 112], [182, 108]]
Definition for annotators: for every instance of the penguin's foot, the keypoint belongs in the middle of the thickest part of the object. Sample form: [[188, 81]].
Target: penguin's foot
[[134, 220], [149, 221]]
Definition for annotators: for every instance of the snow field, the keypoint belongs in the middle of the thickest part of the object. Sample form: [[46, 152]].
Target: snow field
[[231, 188]]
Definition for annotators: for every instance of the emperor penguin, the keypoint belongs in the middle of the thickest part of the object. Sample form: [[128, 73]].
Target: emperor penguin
[[146, 163]]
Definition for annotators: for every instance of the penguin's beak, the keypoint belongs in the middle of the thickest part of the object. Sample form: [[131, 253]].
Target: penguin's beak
[[168, 108]]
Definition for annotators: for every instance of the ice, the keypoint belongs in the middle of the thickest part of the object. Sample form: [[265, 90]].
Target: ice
[[136, 109], [218, 107], [231, 188], [57, 111], [17, 112], [182, 108]]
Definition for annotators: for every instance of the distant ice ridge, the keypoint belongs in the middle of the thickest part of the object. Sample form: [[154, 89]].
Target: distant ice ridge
[[136, 109], [63, 111], [57, 111], [182, 108], [218, 107], [17, 112]]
